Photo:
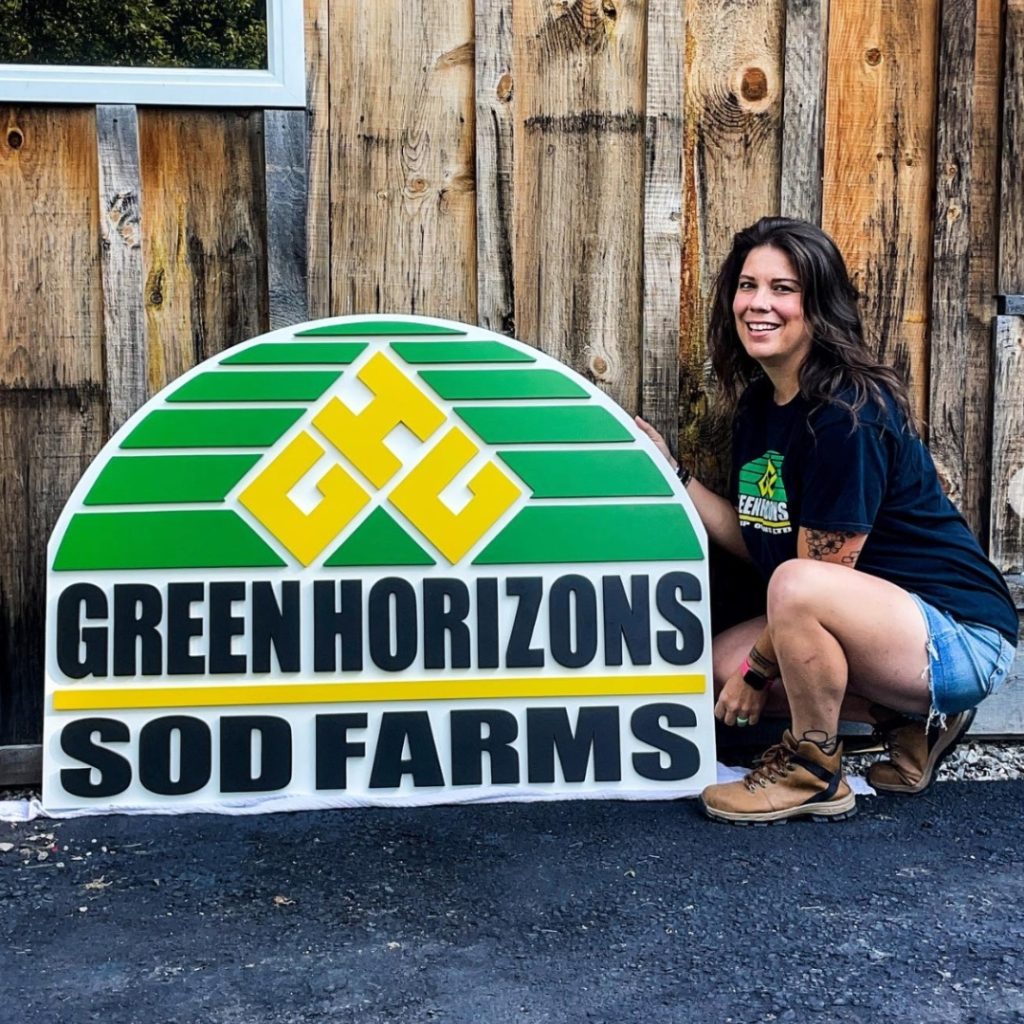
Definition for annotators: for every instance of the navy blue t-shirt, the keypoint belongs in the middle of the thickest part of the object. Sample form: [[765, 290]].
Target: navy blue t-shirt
[[796, 467]]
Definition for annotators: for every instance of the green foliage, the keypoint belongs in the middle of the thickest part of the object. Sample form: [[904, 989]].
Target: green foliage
[[135, 33]]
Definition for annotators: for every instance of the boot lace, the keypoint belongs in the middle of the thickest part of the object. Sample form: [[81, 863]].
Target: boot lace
[[774, 764]]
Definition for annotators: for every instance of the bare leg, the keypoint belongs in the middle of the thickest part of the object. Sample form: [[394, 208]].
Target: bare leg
[[833, 627]]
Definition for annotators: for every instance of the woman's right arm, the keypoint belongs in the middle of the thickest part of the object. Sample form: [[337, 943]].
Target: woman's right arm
[[716, 513]]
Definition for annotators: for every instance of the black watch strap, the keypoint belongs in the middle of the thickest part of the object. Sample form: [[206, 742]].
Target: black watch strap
[[755, 680]]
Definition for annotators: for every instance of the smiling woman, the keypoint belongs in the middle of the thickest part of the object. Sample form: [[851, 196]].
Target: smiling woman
[[249, 52], [881, 606]]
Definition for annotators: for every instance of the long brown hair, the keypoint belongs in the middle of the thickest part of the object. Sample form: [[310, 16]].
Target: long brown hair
[[839, 369]]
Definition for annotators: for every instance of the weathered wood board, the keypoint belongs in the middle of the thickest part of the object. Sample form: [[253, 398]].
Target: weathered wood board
[[803, 122], [495, 106], [204, 243], [579, 186], [663, 196], [879, 146], [318, 159], [1011, 200], [284, 146], [126, 352], [402, 169], [1007, 527], [51, 305], [963, 268], [731, 165], [47, 439]]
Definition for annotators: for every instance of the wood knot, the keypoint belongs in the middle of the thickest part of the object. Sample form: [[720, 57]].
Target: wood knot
[[505, 87], [754, 85], [609, 10], [15, 139], [599, 365], [417, 185], [873, 56]]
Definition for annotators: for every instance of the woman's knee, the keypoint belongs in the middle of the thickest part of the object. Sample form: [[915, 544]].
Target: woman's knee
[[794, 591]]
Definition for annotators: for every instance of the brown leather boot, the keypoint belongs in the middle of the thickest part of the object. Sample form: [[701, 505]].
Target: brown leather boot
[[915, 752], [791, 780]]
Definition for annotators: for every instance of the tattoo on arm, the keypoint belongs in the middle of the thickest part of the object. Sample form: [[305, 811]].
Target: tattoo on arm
[[822, 543], [759, 663]]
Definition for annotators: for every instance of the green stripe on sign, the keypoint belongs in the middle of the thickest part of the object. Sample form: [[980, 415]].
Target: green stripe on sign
[[594, 533], [470, 384], [228, 386], [158, 479], [274, 353], [588, 474], [161, 540], [211, 428], [549, 424], [460, 352], [373, 328]]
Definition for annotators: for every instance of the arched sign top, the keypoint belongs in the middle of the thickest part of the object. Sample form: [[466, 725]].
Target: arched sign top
[[362, 509]]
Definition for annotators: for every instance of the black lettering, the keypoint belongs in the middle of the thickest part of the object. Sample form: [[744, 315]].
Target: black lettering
[[331, 623], [237, 736], [194, 760], [382, 624], [275, 625], [396, 729], [138, 609], [469, 744], [627, 619], [181, 627], [487, 623], [519, 653], [334, 749], [72, 637], [445, 607], [652, 725], [674, 588], [76, 740], [572, 609], [224, 627], [597, 730]]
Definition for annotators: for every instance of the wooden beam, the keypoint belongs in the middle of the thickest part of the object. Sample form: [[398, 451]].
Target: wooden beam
[[495, 103], [731, 160], [663, 197], [124, 319], [579, 143], [1007, 524], [803, 118], [284, 147], [318, 171], [403, 205], [21, 765], [1011, 221], [963, 267], [879, 159]]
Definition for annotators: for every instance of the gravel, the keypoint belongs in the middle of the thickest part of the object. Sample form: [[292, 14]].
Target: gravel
[[969, 762]]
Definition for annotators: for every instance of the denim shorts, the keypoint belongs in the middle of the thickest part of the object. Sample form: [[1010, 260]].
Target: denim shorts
[[967, 661]]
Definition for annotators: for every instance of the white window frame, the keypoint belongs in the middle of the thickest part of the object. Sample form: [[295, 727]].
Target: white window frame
[[283, 84]]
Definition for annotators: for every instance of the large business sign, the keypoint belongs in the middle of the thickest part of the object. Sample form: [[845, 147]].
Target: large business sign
[[376, 560]]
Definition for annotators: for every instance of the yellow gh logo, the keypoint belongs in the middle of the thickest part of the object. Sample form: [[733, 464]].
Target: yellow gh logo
[[360, 438]]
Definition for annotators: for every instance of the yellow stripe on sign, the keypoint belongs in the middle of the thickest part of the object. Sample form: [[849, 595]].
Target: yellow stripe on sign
[[129, 699]]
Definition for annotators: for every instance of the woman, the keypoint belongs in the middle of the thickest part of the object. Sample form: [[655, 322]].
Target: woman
[[881, 605]]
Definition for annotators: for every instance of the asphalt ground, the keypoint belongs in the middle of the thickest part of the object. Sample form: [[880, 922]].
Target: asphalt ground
[[587, 911]]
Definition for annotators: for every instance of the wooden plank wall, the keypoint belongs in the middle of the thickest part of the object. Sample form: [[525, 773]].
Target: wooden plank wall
[[569, 172], [52, 391]]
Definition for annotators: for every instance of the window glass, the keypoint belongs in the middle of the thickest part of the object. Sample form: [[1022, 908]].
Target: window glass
[[210, 34]]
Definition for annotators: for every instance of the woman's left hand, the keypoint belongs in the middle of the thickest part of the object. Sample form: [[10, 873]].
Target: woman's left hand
[[740, 703]]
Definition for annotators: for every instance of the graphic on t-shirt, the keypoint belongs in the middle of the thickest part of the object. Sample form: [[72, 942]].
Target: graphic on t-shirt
[[762, 495]]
